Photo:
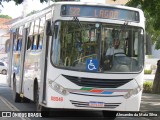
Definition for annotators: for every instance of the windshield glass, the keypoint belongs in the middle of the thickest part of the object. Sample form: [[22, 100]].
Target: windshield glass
[[97, 47]]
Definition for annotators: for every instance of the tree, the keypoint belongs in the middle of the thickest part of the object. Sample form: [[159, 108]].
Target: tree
[[5, 16], [20, 1], [32, 12], [151, 11]]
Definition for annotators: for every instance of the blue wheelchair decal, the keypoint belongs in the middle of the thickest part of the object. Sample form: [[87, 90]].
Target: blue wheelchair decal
[[92, 65]]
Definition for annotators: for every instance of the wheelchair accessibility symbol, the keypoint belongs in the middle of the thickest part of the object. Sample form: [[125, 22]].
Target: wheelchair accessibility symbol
[[92, 65]]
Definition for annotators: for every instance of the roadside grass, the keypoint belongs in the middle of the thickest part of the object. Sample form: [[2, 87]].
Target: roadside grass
[[147, 86], [147, 71]]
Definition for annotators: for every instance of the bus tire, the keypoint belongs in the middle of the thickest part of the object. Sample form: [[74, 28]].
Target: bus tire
[[26, 100], [16, 96], [109, 114], [44, 111], [36, 93]]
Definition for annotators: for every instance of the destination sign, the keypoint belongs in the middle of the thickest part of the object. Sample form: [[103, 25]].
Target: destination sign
[[99, 12]]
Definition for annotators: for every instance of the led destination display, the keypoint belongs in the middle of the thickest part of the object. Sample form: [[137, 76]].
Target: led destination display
[[99, 12]]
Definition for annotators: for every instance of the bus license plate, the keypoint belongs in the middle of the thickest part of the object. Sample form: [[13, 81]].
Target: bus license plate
[[96, 104]]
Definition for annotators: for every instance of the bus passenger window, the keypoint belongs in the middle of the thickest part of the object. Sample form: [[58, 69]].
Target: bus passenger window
[[40, 42], [19, 45], [33, 43], [37, 43], [29, 43], [15, 45]]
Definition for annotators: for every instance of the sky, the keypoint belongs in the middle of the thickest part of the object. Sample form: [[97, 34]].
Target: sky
[[16, 10]]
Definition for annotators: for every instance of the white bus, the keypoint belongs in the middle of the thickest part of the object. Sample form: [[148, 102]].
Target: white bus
[[59, 57]]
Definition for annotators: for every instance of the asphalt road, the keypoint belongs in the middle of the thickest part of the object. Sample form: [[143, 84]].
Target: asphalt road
[[6, 93]]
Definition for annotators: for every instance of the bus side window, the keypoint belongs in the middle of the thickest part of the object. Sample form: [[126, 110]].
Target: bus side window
[[29, 43], [19, 44], [33, 42], [37, 43], [40, 40], [15, 45]]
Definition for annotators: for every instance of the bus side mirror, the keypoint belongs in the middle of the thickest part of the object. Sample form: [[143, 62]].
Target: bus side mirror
[[148, 44]]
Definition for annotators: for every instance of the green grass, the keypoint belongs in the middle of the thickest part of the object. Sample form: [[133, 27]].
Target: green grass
[[147, 86], [147, 71]]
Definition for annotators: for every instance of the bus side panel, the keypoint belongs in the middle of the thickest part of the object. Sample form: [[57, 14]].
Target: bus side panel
[[32, 72]]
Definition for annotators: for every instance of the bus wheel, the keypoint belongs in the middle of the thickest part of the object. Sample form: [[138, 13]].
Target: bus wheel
[[16, 96], [25, 100], [36, 96], [110, 114], [44, 111]]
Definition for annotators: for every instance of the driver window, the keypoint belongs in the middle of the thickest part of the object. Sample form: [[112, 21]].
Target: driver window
[[113, 46], [113, 41]]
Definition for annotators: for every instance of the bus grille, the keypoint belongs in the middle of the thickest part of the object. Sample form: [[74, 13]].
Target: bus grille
[[98, 83], [86, 104]]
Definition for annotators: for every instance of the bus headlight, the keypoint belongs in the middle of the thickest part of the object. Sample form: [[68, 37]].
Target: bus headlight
[[58, 88], [133, 92]]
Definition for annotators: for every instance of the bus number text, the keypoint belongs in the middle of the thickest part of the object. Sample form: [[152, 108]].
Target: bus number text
[[60, 99], [74, 11]]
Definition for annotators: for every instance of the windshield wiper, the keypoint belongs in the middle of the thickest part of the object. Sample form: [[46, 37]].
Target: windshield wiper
[[78, 22], [123, 27]]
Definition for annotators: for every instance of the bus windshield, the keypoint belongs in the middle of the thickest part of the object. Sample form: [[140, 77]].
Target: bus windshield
[[107, 47]]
